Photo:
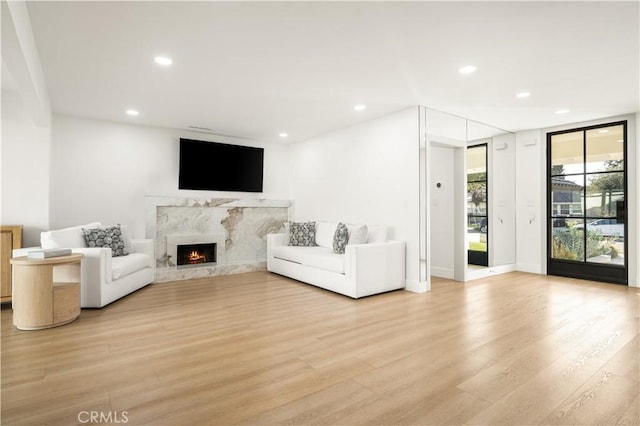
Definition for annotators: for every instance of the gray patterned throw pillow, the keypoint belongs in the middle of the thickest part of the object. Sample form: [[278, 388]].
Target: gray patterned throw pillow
[[302, 234], [106, 236], [340, 238]]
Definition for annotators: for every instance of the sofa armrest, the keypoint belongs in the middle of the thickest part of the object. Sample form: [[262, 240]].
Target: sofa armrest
[[376, 260], [275, 240], [145, 245]]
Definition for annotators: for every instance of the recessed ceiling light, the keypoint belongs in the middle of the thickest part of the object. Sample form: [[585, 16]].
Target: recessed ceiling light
[[132, 112], [522, 95], [562, 111], [467, 69], [603, 131], [283, 134], [163, 60], [359, 107]]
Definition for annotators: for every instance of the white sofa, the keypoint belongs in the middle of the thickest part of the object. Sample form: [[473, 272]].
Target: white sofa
[[372, 267], [104, 278]]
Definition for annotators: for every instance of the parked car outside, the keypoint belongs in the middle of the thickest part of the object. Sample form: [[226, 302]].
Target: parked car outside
[[608, 227]]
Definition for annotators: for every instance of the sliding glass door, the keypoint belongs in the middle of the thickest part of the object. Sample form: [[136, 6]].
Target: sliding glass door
[[587, 215]]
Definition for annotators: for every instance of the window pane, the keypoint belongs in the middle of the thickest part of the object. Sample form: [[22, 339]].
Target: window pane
[[477, 163], [605, 149], [567, 155], [605, 242], [477, 198], [605, 195], [567, 239], [477, 233], [567, 193]]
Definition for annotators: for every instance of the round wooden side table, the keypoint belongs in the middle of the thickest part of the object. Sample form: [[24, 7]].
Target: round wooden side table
[[46, 292]]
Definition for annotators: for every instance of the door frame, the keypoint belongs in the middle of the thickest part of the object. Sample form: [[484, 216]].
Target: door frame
[[475, 257]]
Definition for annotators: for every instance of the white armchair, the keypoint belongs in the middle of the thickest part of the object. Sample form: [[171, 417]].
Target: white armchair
[[104, 278]]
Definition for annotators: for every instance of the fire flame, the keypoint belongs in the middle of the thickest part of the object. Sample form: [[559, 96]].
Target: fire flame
[[194, 256]]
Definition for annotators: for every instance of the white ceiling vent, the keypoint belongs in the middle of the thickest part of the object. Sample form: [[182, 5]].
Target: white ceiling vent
[[209, 131]]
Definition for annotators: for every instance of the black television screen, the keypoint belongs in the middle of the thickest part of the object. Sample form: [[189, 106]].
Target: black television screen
[[213, 166]]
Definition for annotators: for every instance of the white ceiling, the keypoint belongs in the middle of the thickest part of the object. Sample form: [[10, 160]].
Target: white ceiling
[[254, 69]]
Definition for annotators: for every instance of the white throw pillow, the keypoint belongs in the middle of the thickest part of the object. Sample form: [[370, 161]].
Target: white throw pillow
[[65, 238], [357, 233], [126, 237], [377, 234], [324, 233]]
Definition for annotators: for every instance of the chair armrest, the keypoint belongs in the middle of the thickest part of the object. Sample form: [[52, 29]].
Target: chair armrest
[[96, 265], [145, 245], [95, 273]]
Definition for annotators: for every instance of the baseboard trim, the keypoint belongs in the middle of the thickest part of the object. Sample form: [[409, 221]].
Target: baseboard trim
[[532, 268], [489, 271], [442, 272], [417, 287]]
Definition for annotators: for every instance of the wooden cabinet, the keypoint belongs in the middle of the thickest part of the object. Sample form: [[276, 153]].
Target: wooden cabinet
[[10, 238], [46, 291]]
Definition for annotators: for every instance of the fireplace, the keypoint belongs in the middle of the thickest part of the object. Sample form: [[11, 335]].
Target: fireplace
[[196, 254]]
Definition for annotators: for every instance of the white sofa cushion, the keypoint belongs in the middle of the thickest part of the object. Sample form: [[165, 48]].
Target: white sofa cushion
[[296, 253], [328, 261], [316, 257], [124, 265], [324, 233], [65, 238]]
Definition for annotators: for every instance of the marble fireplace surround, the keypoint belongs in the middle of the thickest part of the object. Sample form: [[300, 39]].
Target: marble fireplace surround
[[238, 226]]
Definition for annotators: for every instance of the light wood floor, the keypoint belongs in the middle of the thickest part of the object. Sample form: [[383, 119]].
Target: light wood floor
[[256, 348]]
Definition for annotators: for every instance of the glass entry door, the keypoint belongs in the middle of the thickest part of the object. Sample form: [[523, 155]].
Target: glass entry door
[[586, 211], [477, 211]]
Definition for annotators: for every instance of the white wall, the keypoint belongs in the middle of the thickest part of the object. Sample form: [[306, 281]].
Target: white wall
[[102, 171], [368, 173], [441, 215], [502, 204], [24, 170], [530, 202]]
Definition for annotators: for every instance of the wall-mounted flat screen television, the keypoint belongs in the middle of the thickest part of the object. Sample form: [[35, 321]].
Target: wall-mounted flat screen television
[[213, 166]]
